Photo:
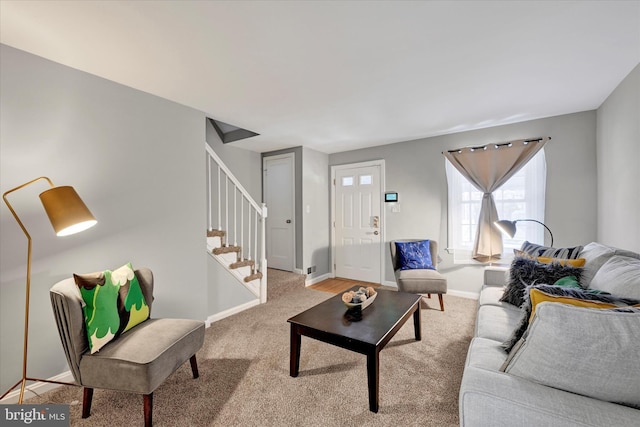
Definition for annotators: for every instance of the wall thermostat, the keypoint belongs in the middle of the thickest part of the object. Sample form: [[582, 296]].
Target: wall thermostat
[[391, 196]]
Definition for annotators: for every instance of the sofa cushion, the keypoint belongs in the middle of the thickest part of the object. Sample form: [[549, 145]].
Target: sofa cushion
[[526, 272], [421, 281], [559, 337], [128, 366], [619, 275], [490, 295], [596, 254], [490, 398], [545, 293], [496, 323]]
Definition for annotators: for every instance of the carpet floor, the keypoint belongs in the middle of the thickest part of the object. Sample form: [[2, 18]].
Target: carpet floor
[[244, 373]]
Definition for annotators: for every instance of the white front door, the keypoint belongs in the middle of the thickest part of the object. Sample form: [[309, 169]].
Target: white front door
[[358, 232], [278, 189]]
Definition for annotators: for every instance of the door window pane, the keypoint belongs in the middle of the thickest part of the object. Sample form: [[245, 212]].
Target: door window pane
[[347, 181], [366, 180]]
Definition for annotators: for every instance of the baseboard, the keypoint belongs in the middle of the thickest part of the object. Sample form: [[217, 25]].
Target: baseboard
[[37, 388], [313, 281], [231, 311], [463, 294], [391, 283]]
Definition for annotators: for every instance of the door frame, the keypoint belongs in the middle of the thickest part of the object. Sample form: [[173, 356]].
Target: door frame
[[292, 156], [380, 164]]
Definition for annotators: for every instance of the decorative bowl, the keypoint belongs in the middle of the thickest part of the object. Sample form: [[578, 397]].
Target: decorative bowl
[[372, 296]]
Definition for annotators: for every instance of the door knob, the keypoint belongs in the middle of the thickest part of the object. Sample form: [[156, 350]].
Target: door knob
[[288, 221], [375, 232]]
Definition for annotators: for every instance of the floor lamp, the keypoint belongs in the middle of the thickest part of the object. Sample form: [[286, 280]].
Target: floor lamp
[[68, 215], [509, 227]]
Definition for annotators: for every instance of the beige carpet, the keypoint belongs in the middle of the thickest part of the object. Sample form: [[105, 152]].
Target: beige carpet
[[244, 374]]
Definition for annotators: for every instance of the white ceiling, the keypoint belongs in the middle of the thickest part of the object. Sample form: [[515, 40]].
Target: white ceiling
[[341, 75]]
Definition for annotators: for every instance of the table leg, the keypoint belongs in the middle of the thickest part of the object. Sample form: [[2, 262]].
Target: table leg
[[294, 363], [417, 326], [373, 377]]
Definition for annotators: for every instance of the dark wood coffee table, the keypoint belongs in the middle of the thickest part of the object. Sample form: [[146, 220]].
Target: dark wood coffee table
[[380, 321]]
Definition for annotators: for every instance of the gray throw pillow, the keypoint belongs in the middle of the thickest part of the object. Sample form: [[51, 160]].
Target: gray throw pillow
[[582, 350], [595, 255], [620, 275], [560, 291]]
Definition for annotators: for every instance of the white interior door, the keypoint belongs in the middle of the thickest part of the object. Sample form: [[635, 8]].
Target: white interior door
[[358, 223], [278, 189]]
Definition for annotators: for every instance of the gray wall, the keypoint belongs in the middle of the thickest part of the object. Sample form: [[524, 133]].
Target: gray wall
[[137, 161], [415, 169], [619, 165], [315, 203]]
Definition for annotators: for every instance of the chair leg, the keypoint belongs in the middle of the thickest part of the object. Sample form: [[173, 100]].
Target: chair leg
[[148, 410], [87, 396], [194, 366], [441, 302]]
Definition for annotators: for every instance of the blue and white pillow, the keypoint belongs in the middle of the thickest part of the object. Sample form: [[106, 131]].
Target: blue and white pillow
[[414, 255]]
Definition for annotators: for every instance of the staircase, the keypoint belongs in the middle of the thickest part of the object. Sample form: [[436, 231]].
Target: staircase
[[236, 227]]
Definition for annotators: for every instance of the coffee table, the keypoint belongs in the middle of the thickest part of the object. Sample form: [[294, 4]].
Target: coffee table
[[379, 323]]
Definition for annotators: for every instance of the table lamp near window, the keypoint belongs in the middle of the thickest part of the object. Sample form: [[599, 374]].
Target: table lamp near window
[[509, 227], [68, 215]]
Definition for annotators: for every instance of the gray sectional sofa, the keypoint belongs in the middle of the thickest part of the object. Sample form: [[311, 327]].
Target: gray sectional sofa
[[595, 354]]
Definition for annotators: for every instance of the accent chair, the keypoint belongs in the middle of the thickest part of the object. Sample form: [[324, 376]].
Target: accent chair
[[420, 281], [137, 361]]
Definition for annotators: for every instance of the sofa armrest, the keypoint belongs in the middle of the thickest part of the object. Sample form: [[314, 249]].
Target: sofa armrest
[[495, 276]]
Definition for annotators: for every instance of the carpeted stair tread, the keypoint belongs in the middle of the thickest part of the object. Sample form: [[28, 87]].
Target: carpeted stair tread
[[253, 276], [226, 250], [243, 263], [216, 233]]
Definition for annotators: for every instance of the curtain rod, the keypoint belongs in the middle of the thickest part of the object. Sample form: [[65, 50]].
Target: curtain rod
[[502, 144]]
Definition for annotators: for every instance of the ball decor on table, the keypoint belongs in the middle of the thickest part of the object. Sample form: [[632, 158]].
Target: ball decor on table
[[361, 298]]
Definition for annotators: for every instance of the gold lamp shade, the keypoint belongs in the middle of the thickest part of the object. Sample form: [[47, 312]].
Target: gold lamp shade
[[66, 211]]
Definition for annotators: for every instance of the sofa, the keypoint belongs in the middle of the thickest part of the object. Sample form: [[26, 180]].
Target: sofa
[[574, 364]]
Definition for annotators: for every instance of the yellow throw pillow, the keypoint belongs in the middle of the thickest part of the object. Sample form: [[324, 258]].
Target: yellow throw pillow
[[537, 296], [571, 262]]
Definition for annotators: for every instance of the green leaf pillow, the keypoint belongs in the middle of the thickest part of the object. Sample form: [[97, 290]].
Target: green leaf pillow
[[133, 308], [113, 304]]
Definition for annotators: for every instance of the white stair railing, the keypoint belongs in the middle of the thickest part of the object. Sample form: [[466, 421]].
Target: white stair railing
[[238, 226]]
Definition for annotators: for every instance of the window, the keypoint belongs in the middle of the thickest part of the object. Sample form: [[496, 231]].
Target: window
[[366, 179], [519, 198]]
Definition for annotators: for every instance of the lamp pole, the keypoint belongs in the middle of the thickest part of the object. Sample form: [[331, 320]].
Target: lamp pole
[[69, 215]]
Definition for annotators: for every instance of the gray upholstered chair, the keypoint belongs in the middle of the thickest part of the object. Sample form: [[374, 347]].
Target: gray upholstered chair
[[420, 281], [137, 361]]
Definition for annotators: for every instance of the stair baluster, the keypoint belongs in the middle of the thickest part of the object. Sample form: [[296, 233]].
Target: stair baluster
[[241, 251]]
